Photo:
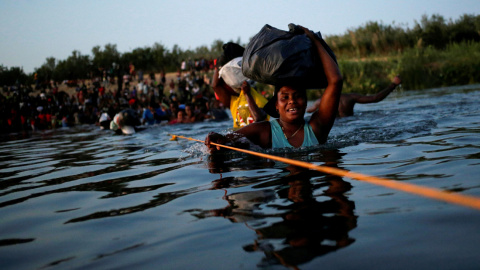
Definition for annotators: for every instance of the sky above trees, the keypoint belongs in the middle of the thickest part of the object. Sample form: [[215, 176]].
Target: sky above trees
[[33, 31]]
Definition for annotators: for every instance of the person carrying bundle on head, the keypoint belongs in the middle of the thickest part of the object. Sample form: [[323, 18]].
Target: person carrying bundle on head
[[232, 89], [289, 105]]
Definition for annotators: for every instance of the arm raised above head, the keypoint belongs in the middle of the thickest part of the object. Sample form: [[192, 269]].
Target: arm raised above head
[[323, 119], [380, 95]]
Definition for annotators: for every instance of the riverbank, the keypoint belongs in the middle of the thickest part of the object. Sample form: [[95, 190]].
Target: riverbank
[[70, 90], [420, 68]]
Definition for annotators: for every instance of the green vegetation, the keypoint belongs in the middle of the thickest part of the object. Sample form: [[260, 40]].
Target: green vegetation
[[149, 59], [434, 53], [12, 76], [378, 39], [420, 68]]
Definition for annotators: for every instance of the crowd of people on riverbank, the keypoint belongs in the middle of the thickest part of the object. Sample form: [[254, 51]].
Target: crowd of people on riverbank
[[131, 99], [186, 99]]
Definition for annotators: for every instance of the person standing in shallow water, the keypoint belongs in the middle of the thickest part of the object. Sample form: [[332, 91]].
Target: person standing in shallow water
[[348, 101], [289, 106]]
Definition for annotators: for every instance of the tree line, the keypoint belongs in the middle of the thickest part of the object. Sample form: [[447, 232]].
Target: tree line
[[376, 38], [373, 39]]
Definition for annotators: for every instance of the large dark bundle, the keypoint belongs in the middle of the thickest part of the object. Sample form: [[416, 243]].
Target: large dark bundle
[[280, 57]]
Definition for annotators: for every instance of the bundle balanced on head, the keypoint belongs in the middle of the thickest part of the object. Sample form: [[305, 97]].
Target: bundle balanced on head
[[232, 89], [289, 106]]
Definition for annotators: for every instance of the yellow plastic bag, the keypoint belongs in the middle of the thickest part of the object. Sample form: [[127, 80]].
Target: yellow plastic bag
[[239, 108]]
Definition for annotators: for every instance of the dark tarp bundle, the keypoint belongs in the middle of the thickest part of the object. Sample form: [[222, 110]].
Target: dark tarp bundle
[[280, 57]]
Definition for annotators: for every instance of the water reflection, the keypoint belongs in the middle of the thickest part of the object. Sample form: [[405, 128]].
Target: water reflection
[[296, 217], [310, 226], [230, 161]]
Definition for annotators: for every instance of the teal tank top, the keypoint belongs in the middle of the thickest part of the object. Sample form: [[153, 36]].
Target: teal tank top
[[279, 140]]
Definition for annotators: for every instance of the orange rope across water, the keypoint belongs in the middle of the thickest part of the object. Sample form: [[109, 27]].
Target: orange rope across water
[[455, 198]]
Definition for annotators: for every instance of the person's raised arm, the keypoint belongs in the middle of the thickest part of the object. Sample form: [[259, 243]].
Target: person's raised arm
[[323, 119], [380, 95], [257, 113]]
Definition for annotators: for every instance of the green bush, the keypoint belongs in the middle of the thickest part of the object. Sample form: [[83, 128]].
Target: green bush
[[457, 64], [366, 76]]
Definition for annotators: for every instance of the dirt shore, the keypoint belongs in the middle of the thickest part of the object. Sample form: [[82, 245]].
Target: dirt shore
[[112, 87]]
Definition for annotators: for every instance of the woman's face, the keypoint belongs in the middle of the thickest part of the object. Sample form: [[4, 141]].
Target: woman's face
[[180, 115], [188, 110], [291, 103]]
